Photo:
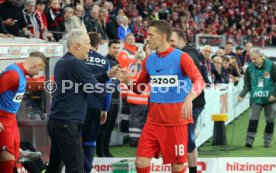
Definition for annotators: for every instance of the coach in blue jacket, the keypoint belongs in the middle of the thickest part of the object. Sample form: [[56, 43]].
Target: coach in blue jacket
[[68, 110]]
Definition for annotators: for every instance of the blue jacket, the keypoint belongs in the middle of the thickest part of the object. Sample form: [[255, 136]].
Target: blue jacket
[[122, 32], [69, 101], [98, 64]]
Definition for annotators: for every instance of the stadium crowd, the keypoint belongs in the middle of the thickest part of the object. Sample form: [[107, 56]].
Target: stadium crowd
[[243, 21]]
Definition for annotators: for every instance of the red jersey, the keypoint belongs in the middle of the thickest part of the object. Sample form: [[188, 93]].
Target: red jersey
[[170, 114]]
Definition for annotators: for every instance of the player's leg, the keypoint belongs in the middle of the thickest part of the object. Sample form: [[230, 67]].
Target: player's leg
[[148, 147], [192, 150], [7, 150], [173, 144]]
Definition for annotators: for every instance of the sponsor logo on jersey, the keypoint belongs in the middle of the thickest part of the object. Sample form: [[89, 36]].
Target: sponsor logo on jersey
[[96, 60], [18, 97], [164, 81]]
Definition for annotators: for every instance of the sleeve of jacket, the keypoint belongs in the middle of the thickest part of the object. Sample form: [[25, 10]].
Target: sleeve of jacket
[[108, 96], [120, 33], [247, 83], [84, 76]]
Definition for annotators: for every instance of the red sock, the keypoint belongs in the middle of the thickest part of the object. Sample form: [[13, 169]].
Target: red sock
[[182, 171], [143, 170], [7, 166]]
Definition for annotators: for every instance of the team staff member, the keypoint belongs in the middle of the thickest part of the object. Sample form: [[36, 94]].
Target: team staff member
[[178, 41], [138, 103], [68, 109], [106, 128], [260, 80], [169, 112], [126, 56], [12, 89], [96, 108]]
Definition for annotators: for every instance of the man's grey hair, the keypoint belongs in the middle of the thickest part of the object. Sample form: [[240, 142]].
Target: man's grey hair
[[75, 36], [256, 51]]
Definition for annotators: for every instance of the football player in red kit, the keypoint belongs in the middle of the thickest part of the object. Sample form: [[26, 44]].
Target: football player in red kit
[[170, 73], [12, 89]]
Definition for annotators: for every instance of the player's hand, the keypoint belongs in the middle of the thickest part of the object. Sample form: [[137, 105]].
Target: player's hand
[[103, 117], [1, 127], [187, 109], [240, 99], [271, 99], [123, 76], [112, 72]]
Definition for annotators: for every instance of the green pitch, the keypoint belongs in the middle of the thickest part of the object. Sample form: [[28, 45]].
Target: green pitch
[[236, 132]]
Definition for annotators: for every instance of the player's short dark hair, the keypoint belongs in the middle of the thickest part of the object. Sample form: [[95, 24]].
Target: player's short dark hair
[[179, 33], [113, 42], [95, 39], [163, 27]]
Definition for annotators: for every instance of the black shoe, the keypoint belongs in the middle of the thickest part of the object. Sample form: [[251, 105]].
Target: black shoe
[[101, 154], [108, 154], [248, 145]]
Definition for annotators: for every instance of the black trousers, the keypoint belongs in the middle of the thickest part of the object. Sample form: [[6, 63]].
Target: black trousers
[[66, 147]]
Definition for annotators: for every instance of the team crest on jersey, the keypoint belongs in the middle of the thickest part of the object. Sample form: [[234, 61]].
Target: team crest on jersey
[[18, 97]]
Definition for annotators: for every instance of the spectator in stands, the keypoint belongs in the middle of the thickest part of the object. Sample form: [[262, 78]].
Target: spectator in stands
[[205, 62], [91, 21], [131, 10], [239, 50], [260, 80], [235, 70], [220, 52], [121, 12], [273, 35], [77, 19], [87, 7], [217, 72], [112, 27], [32, 19], [245, 59], [162, 14], [228, 49], [55, 20], [13, 18], [102, 21], [3, 31], [40, 7], [226, 64], [110, 10], [124, 28], [67, 15], [139, 31]]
